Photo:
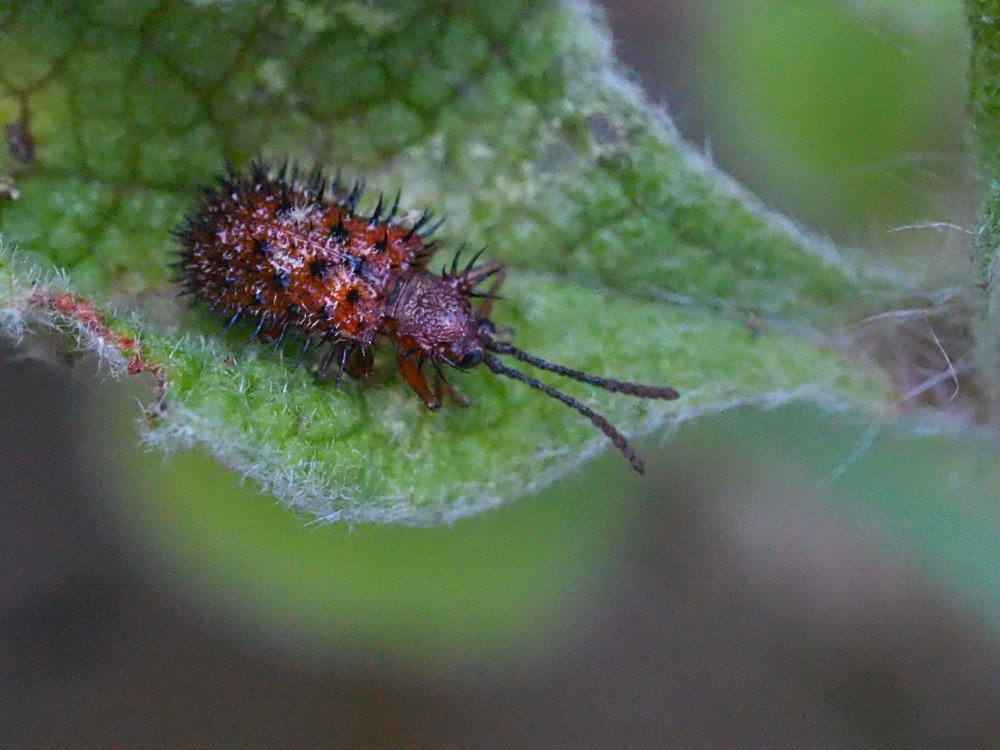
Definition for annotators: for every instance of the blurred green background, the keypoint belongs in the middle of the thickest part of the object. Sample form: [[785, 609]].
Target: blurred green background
[[787, 577]]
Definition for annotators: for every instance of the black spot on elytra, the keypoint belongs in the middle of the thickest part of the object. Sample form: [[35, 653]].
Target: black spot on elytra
[[353, 296], [261, 248], [338, 232], [318, 268], [280, 280], [354, 263]]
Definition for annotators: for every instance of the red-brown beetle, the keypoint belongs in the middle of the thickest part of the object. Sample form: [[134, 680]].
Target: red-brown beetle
[[293, 255]]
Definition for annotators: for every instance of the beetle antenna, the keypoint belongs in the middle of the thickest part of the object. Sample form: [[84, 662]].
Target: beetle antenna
[[600, 422], [608, 384]]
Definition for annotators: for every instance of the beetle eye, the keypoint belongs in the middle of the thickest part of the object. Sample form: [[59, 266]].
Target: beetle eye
[[471, 359]]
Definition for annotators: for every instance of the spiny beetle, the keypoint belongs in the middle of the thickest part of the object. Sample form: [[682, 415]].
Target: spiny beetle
[[291, 253]]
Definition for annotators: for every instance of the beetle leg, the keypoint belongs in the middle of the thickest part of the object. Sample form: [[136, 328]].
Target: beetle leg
[[409, 368], [442, 386], [360, 363], [456, 395]]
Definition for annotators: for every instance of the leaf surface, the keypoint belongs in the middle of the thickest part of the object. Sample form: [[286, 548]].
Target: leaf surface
[[630, 256]]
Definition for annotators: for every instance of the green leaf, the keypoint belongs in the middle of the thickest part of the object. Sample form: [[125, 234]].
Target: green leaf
[[984, 104], [984, 78], [630, 255]]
